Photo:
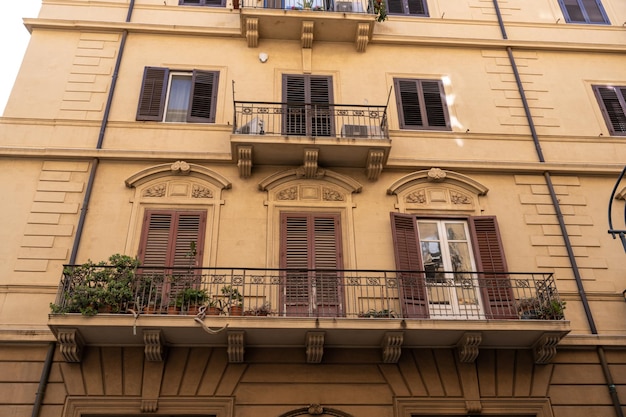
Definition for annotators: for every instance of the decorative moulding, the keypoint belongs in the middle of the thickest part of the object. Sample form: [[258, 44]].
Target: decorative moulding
[[544, 349], [80, 406], [314, 347], [392, 346], [235, 346], [178, 168], [282, 177], [467, 347], [437, 175], [154, 345], [71, 344]]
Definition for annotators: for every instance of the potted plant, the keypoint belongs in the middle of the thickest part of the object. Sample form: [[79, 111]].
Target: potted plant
[[371, 313], [263, 310], [233, 300], [190, 299]]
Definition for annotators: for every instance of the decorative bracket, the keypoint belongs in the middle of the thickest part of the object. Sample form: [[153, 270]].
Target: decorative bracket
[[235, 346], [374, 165], [71, 344], [252, 32], [310, 162], [155, 345], [244, 153], [149, 406], [307, 34], [473, 407], [544, 350], [467, 347], [392, 346], [362, 36], [314, 347]]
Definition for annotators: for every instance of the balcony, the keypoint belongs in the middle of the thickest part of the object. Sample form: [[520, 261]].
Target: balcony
[[305, 308], [308, 21], [305, 133]]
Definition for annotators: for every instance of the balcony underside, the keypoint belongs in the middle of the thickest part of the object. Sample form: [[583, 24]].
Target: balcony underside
[[238, 333], [306, 26]]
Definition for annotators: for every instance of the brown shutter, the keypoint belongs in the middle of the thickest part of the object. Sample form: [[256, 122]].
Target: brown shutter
[[304, 119], [412, 285], [421, 104], [152, 98], [494, 281], [320, 92], [311, 241], [203, 97], [294, 92], [417, 7], [435, 104], [613, 105]]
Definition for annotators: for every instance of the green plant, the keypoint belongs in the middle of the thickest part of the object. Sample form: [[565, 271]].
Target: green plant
[[232, 296], [306, 4], [536, 308], [262, 310], [378, 314], [380, 10], [192, 296]]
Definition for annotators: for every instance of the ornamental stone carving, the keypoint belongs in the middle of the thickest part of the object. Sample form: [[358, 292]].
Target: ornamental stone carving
[[201, 192], [331, 195], [467, 347], [316, 409], [155, 191], [180, 167], [288, 194], [458, 198], [436, 174], [314, 347], [418, 197], [71, 345]]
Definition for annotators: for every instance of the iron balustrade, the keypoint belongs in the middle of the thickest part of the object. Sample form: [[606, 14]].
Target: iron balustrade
[[310, 119], [363, 294], [339, 6]]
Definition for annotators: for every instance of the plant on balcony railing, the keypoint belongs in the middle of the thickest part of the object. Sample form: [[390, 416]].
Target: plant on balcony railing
[[540, 309], [91, 288], [233, 300], [380, 10]]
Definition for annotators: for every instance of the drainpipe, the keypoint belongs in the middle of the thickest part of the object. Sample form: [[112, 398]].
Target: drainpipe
[[559, 214], [43, 382]]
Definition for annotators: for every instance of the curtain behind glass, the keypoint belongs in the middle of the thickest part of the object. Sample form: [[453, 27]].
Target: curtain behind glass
[[178, 101]]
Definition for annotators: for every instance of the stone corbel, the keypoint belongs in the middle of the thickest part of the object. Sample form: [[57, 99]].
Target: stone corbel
[[392, 346], [544, 350], [307, 34], [154, 349], [71, 344], [314, 347], [149, 406], [467, 347], [310, 163], [473, 407], [244, 154], [374, 166], [252, 32], [362, 36], [235, 346]]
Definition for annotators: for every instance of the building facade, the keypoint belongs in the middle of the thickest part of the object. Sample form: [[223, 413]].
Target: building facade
[[331, 208]]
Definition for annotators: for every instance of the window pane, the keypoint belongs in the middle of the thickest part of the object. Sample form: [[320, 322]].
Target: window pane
[[593, 11], [178, 101], [574, 11]]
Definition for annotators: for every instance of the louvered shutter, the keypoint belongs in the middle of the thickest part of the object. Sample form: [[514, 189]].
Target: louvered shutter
[[613, 105], [203, 98], [152, 97], [411, 7], [435, 104], [494, 282], [311, 242], [421, 104], [166, 244], [395, 6], [320, 92], [412, 285], [294, 93], [407, 98], [314, 116], [417, 7]]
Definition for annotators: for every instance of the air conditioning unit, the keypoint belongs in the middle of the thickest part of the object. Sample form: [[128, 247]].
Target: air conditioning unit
[[253, 127], [343, 6], [355, 131]]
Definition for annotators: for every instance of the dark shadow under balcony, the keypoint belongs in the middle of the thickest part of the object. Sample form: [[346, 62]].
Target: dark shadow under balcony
[[283, 133], [283, 308]]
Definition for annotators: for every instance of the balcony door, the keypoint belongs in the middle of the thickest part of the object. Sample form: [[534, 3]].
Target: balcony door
[[459, 268], [307, 108], [311, 253]]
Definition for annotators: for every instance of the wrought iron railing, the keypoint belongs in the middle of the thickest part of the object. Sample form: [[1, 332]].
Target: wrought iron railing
[[339, 6], [311, 293], [310, 119]]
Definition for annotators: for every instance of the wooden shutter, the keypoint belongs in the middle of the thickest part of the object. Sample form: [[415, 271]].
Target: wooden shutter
[[311, 241], [411, 7], [203, 97], [294, 93], [313, 116], [320, 92], [613, 105], [493, 279], [417, 7], [412, 286], [152, 98], [421, 104]]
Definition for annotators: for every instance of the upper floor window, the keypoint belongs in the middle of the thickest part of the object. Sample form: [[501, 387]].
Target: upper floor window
[[421, 104], [308, 99], [408, 7], [215, 3], [173, 96], [613, 105], [583, 11]]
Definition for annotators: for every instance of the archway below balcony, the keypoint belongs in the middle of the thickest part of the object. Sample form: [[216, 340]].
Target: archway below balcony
[[178, 168]]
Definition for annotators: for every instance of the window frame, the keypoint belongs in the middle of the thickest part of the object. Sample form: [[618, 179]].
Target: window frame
[[423, 105], [406, 8], [155, 93], [615, 121], [203, 3], [583, 11], [314, 88]]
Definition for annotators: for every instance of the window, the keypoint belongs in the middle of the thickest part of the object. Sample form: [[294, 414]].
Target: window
[[216, 3], [410, 7], [613, 105], [439, 251], [178, 96], [311, 241], [421, 104], [583, 11], [307, 101]]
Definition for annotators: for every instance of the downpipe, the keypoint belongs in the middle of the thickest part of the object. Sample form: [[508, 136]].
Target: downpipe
[[43, 381]]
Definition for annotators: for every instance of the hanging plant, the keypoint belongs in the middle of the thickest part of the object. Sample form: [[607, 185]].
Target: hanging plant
[[380, 10]]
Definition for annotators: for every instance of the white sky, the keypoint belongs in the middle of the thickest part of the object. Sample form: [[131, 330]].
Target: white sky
[[13, 41]]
